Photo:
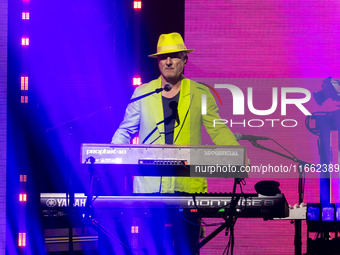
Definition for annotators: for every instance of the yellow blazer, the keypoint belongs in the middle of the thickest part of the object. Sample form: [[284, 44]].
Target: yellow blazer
[[146, 116]]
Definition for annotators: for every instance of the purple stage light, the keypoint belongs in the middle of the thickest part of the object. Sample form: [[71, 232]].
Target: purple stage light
[[328, 213]]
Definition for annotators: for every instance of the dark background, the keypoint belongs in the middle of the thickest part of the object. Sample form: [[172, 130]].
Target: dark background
[[80, 64]]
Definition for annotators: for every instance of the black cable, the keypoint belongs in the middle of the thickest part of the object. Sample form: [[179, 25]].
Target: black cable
[[303, 185], [226, 248], [307, 124], [231, 243], [283, 147], [231, 220]]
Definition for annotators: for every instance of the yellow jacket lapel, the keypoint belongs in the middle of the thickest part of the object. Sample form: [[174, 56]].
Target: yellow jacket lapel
[[182, 131]]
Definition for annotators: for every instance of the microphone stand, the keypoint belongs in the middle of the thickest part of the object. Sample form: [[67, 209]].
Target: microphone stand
[[145, 95], [89, 195], [297, 239], [167, 87], [229, 222]]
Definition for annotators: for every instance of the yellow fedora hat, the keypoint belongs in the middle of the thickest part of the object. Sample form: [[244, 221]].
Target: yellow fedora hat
[[169, 43]]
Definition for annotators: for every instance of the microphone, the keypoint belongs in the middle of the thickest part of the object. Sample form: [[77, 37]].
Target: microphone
[[167, 87], [249, 138]]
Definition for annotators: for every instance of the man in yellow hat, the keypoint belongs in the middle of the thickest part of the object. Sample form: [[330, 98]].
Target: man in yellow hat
[[171, 117], [157, 122]]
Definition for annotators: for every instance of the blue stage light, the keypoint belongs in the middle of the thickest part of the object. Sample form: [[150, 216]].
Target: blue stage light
[[313, 212]]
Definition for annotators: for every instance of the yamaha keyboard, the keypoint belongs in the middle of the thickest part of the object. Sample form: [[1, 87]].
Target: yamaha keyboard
[[168, 160], [206, 205]]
